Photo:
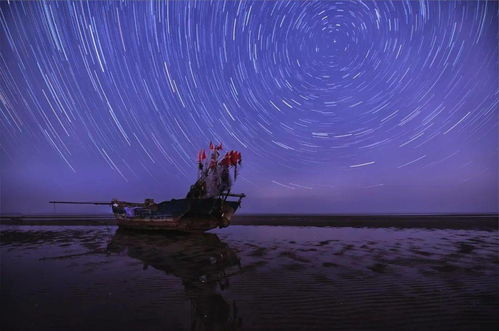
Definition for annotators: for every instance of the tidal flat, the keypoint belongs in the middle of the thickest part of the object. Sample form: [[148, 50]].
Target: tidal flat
[[248, 277]]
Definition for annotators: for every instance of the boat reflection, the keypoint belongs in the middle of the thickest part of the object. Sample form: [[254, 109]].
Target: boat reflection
[[202, 261]]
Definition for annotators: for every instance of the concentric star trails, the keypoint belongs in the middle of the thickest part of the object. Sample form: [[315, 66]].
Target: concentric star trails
[[321, 97]]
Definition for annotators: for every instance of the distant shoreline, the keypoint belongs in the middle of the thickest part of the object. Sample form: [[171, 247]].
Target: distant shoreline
[[434, 221]]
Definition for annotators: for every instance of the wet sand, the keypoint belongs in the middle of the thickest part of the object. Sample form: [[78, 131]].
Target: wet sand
[[432, 221], [249, 277]]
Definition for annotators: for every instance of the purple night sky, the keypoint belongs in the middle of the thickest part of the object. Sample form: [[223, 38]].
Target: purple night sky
[[336, 106]]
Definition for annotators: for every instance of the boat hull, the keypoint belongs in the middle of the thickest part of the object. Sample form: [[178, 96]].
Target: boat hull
[[184, 215]]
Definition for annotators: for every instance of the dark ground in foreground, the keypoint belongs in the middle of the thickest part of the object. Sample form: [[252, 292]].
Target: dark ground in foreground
[[247, 278]]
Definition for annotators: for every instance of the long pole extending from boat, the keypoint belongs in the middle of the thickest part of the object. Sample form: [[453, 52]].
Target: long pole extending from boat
[[242, 195], [83, 203]]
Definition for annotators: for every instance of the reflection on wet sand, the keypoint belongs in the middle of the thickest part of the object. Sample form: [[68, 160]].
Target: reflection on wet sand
[[292, 278], [202, 261]]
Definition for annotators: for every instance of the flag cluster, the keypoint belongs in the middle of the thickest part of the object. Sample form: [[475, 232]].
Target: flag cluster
[[230, 159], [214, 171]]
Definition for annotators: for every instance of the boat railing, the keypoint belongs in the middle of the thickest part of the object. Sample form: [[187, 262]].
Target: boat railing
[[224, 196]]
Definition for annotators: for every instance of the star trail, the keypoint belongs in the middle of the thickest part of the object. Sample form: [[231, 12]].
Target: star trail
[[336, 106]]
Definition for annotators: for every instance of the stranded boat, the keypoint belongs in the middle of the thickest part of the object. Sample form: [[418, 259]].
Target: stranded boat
[[207, 205]]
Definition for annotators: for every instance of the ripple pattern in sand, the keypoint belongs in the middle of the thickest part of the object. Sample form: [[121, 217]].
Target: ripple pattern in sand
[[250, 277]]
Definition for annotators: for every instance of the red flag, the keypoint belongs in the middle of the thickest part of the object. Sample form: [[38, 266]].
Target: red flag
[[233, 157], [201, 155], [211, 146], [226, 160]]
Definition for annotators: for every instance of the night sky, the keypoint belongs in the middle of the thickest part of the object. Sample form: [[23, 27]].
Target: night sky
[[336, 106]]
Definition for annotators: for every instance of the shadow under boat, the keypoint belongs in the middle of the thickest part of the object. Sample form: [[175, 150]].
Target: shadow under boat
[[202, 261]]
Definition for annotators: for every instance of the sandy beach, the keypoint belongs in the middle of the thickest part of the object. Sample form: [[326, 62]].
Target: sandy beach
[[249, 277]]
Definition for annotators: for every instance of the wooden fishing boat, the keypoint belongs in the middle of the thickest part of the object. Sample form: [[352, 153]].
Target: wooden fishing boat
[[208, 204], [185, 215]]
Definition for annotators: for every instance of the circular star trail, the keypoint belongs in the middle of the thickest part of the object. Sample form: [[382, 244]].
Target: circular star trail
[[306, 90]]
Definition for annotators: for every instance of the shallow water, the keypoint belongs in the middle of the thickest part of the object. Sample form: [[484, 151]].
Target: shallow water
[[248, 277]]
